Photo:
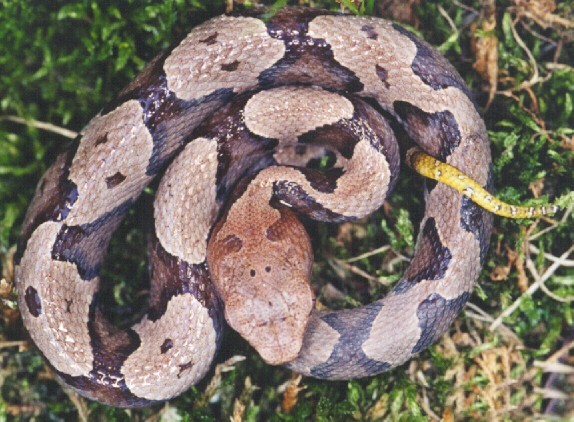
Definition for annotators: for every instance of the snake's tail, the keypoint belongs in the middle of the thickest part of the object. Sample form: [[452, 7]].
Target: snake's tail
[[432, 168]]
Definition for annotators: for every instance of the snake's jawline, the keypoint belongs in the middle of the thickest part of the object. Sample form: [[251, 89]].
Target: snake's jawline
[[304, 203]]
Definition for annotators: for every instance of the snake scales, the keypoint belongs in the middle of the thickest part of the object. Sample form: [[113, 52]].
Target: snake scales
[[247, 107]]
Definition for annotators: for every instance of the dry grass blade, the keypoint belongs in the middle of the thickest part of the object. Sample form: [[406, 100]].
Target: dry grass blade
[[541, 13], [485, 48], [535, 286], [291, 390], [215, 382], [41, 125]]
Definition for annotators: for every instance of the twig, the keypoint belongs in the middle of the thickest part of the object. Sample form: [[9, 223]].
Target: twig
[[538, 35], [449, 20], [41, 125], [358, 271], [480, 315], [556, 367], [545, 20], [552, 227], [426, 406], [20, 343], [558, 66], [534, 272], [533, 287], [565, 263], [79, 402], [368, 254], [535, 79], [533, 63], [467, 8]]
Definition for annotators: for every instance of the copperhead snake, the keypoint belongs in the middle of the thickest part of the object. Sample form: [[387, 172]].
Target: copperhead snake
[[234, 118]]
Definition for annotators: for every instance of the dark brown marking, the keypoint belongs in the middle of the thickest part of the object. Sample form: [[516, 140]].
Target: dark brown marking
[[69, 303], [347, 355], [173, 277], [230, 67], [370, 31], [252, 273], [85, 245], [232, 244], [300, 149], [33, 301], [267, 269], [307, 60], [212, 39], [431, 259], [115, 180], [111, 347], [310, 64], [101, 139], [435, 315], [437, 133], [324, 181], [245, 156], [159, 106], [53, 201], [477, 221], [112, 395], [294, 195], [383, 75], [145, 85], [433, 69], [167, 344], [185, 367], [293, 21], [430, 185]]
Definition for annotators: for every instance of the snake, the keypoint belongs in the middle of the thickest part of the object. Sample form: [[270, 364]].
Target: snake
[[255, 123]]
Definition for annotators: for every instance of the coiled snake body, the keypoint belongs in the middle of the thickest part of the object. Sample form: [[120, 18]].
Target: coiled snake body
[[249, 106]]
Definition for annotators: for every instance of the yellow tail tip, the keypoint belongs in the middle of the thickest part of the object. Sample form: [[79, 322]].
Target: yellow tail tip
[[432, 168]]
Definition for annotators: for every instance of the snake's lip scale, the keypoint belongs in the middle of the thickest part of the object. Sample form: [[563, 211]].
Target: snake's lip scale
[[204, 100]]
